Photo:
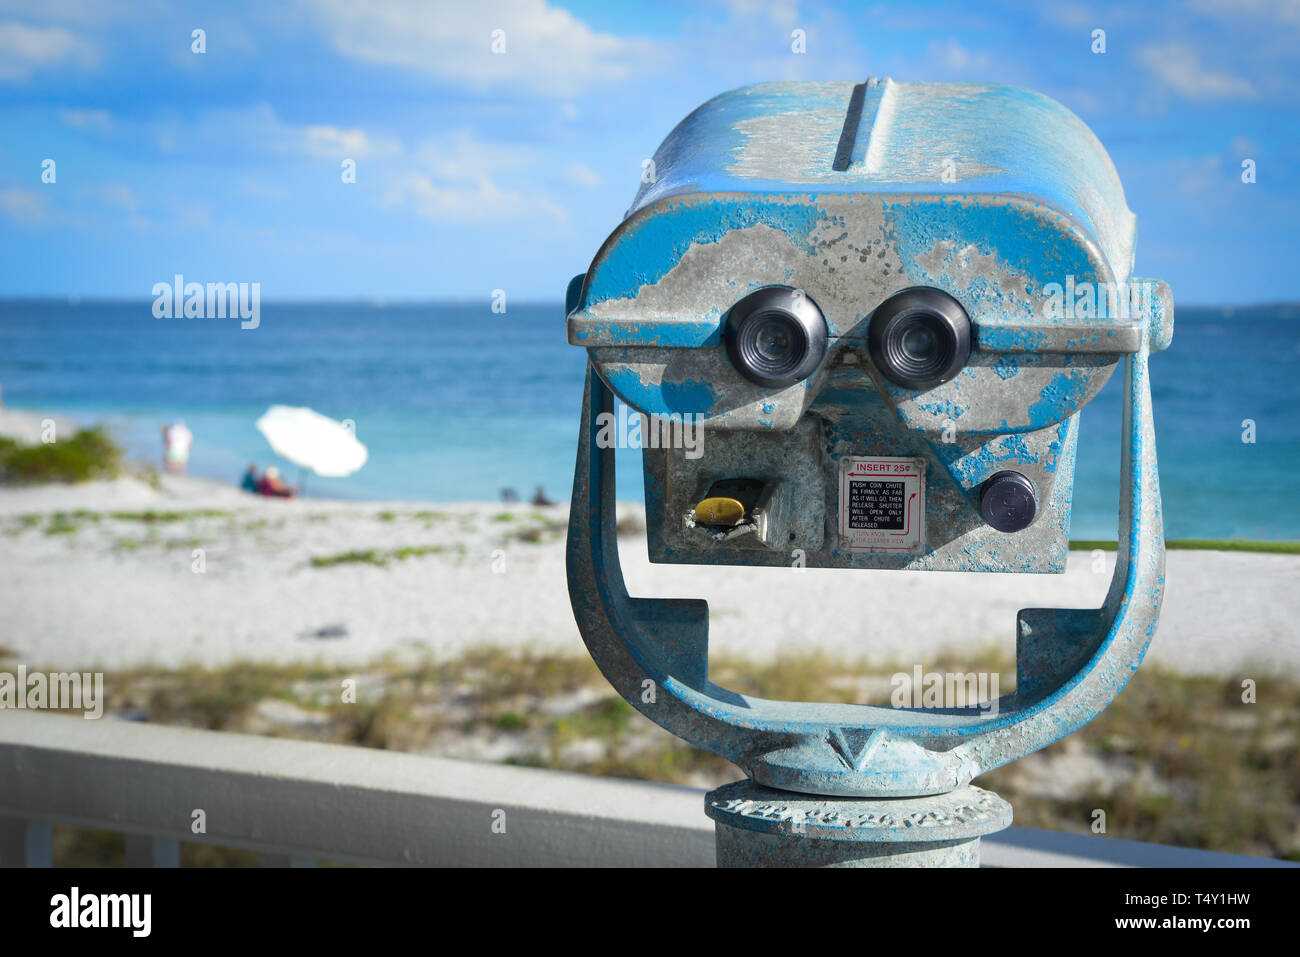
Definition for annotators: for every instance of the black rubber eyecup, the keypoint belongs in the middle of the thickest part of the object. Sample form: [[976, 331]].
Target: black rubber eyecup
[[919, 338], [775, 336]]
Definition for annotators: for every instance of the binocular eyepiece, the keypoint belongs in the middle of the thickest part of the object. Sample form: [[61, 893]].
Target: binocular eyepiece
[[918, 338], [776, 336]]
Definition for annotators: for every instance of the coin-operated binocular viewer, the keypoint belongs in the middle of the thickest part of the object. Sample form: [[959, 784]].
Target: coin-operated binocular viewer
[[887, 304]]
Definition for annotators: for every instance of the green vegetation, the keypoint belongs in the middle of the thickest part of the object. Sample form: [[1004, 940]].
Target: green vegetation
[[88, 454], [70, 522], [374, 556], [542, 528], [418, 551], [61, 524], [22, 523], [629, 524], [1203, 544], [153, 517], [1181, 759], [510, 721], [368, 556]]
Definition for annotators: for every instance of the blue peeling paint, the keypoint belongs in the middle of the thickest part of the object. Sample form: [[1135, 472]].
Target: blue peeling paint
[[1029, 240], [651, 245], [688, 395], [1059, 398], [971, 468], [1058, 445]]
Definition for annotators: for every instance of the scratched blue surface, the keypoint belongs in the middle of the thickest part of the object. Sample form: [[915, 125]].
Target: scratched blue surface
[[652, 245], [1010, 143], [1031, 145]]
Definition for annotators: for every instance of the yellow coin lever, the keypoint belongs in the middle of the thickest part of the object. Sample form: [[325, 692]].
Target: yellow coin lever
[[719, 510]]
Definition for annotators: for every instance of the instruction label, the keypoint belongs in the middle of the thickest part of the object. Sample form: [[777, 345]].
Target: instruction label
[[882, 503]]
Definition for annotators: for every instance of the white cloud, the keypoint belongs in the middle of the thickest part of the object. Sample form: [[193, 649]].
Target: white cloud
[[1280, 11], [260, 189], [331, 142], [1075, 16], [23, 206], [1201, 176], [1179, 68], [258, 128], [83, 12], [457, 181], [780, 12], [98, 120], [547, 50], [453, 178], [580, 174], [958, 59], [119, 194], [1243, 147], [25, 50]]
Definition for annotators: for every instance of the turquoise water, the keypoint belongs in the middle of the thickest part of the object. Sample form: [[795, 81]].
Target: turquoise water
[[457, 403]]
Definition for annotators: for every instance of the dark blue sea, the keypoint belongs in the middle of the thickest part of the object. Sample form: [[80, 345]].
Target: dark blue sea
[[456, 402]]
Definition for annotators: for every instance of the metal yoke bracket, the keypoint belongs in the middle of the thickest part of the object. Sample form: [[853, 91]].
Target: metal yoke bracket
[[1071, 663]]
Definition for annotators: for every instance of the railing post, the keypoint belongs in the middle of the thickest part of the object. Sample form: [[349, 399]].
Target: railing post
[[143, 850], [26, 843]]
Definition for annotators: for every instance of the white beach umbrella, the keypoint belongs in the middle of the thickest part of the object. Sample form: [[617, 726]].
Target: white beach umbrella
[[311, 440]]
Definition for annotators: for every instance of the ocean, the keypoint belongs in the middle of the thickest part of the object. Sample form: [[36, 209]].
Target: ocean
[[457, 403]]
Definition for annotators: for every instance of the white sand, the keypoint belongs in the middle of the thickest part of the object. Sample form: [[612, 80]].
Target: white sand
[[121, 592]]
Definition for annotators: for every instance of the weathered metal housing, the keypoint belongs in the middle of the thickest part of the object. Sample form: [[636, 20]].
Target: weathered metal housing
[[851, 193]]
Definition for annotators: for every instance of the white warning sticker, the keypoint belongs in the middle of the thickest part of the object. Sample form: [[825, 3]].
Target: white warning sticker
[[882, 503]]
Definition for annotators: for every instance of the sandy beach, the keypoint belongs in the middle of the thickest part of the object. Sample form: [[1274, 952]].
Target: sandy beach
[[119, 573]]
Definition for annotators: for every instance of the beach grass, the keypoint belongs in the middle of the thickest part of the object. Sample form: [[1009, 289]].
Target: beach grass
[[535, 529], [88, 454], [382, 557], [158, 516], [1176, 759]]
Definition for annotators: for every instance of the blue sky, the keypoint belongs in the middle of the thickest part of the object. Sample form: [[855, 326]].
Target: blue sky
[[477, 171]]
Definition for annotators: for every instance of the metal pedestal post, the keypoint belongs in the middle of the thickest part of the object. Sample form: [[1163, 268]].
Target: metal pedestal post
[[759, 826]]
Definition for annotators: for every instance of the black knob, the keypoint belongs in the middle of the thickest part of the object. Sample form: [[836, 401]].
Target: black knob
[[1009, 501]]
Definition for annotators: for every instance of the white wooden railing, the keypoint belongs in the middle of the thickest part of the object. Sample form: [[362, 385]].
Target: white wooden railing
[[296, 803]]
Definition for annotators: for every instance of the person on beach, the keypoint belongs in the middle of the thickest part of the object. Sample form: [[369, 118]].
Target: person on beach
[[177, 439], [251, 481], [273, 485], [540, 499]]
